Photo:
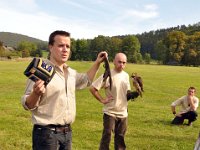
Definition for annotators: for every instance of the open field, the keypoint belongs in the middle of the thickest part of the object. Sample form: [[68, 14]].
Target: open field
[[149, 125]]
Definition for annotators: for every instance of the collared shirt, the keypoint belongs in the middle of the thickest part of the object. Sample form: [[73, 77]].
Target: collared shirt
[[183, 102], [121, 84], [57, 105]]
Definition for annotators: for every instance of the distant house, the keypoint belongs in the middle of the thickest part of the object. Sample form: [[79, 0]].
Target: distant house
[[9, 48]]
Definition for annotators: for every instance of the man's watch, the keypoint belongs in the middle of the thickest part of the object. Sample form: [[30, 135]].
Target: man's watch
[[174, 112]]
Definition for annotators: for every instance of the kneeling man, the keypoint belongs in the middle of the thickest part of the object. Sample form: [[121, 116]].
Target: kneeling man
[[189, 104]]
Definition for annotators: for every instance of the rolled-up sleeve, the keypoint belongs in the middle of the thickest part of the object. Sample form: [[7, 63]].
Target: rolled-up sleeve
[[196, 103], [98, 83], [82, 81], [28, 90], [177, 102]]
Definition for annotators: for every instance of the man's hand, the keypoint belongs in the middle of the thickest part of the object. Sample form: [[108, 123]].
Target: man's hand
[[93, 70], [34, 97], [98, 96], [40, 69], [191, 103], [39, 88], [101, 56], [107, 100]]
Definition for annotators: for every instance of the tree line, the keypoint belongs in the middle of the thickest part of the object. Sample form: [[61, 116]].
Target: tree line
[[23, 49], [178, 46], [85, 49]]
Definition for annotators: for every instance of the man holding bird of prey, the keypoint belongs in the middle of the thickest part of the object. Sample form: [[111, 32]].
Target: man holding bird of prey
[[116, 84]]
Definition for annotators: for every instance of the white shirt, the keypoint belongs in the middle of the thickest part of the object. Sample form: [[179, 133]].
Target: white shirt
[[183, 102], [120, 86], [57, 105]]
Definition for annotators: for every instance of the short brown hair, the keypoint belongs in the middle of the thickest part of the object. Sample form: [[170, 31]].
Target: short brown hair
[[57, 32], [192, 88]]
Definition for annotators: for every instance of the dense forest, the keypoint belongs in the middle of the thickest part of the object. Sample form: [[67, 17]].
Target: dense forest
[[176, 45]]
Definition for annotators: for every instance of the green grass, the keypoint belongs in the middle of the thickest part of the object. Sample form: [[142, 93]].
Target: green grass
[[45, 53], [149, 117]]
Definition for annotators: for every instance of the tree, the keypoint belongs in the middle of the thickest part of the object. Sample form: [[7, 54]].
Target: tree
[[27, 48], [175, 43], [131, 47], [82, 50], [115, 47], [42, 45], [192, 50], [2, 50], [1, 44], [98, 44], [37, 53], [73, 49], [25, 53], [147, 58], [161, 51]]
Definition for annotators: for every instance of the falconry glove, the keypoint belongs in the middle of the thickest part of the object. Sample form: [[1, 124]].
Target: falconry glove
[[138, 85], [131, 95]]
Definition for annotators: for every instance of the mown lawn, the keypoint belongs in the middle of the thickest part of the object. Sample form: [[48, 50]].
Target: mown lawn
[[149, 118]]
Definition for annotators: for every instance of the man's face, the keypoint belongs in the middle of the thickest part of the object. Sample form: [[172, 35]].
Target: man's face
[[191, 92], [60, 50], [120, 62]]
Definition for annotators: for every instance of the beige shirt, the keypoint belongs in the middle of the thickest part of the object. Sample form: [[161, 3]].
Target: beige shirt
[[57, 105], [183, 102], [121, 83]]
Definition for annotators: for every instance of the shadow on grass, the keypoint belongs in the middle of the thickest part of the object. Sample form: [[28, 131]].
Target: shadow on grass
[[168, 123]]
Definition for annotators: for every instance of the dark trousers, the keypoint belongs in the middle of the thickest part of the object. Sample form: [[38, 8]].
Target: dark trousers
[[116, 125], [191, 116], [45, 138]]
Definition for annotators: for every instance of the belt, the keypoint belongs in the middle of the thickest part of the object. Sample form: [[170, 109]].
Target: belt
[[56, 128]]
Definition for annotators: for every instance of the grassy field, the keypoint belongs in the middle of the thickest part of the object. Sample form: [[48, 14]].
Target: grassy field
[[149, 117]]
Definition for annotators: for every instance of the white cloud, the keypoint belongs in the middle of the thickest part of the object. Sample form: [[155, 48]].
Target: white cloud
[[151, 11], [37, 25], [26, 18], [73, 3], [82, 21], [141, 15], [133, 17], [152, 7], [20, 5], [40, 25]]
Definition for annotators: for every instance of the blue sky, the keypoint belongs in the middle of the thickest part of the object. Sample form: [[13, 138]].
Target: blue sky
[[89, 18]]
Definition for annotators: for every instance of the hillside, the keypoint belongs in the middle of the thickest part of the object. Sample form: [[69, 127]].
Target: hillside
[[13, 39]]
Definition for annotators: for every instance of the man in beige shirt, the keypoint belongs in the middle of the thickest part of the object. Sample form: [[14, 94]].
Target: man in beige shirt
[[53, 106], [189, 104], [115, 103]]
